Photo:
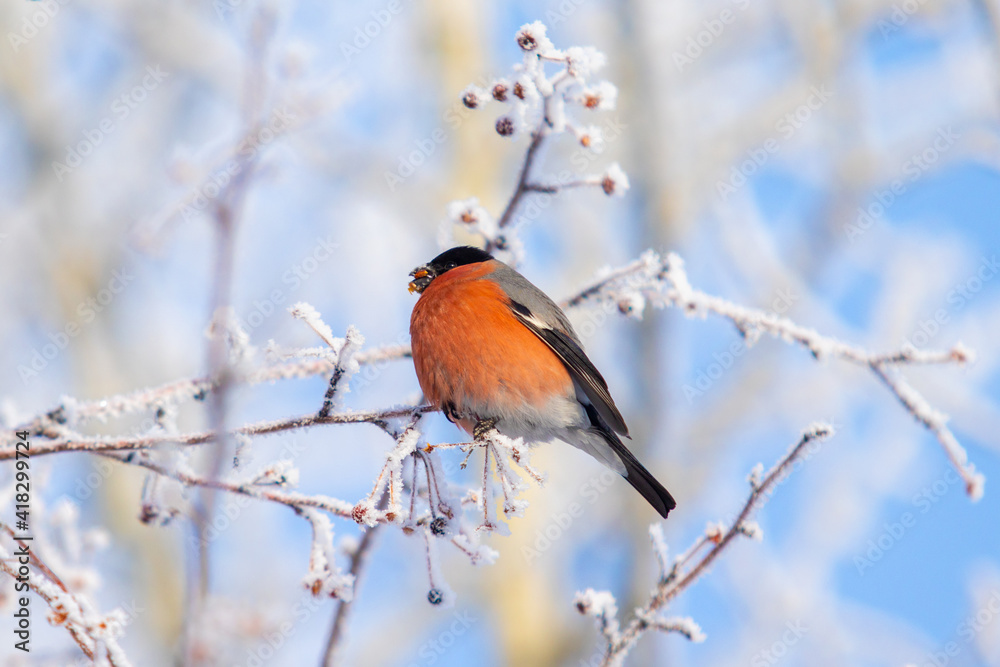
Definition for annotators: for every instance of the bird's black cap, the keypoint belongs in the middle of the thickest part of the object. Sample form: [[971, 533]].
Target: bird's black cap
[[446, 261]]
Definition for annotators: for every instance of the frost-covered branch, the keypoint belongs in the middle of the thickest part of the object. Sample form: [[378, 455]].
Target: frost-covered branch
[[259, 487], [292, 365], [63, 442], [690, 565], [359, 557], [523, 187], [936, 422], [324, 578], [662, 282], [536, 103], [96, 634], [346, 366]]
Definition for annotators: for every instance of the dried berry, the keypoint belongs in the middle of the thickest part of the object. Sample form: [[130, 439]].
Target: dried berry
[[608, 185], [527, 41], [359, 512], [505, 126]]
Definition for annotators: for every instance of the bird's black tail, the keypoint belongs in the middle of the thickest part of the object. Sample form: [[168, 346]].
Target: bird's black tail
[[640, 478]]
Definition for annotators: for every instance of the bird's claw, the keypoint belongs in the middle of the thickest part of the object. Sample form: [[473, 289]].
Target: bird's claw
[[482, 428]]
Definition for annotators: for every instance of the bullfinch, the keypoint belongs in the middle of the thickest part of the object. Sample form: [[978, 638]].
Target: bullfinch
[[492, 351]]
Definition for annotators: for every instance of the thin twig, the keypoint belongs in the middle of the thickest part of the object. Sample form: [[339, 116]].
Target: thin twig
[[620, 642], [358, 561], [95, 635], [79, 443], [346, 352], [293, 500], [537, 137], [179, 391], [936, 423]]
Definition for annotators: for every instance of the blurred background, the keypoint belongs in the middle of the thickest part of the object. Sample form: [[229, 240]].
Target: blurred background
[[832, 162]]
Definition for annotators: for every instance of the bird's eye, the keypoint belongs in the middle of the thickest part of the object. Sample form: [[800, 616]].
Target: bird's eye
[[449, 266]]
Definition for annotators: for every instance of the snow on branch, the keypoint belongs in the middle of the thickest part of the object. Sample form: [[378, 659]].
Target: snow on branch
[[690, 565], [663, 282], [96, 634], [303, 364], [64, 440], [537, 103], [260, 487], [324, 578]]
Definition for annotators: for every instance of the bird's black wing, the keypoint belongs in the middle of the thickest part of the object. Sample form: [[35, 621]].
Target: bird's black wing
[[580, 368]]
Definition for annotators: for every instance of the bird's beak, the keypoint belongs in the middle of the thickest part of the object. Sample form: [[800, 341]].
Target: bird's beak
[[422, 277]]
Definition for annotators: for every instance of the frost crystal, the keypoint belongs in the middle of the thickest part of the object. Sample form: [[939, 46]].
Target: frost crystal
[[686, 626]]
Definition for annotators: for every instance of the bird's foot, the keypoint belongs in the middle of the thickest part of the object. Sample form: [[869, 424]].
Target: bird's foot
[[483, 426]]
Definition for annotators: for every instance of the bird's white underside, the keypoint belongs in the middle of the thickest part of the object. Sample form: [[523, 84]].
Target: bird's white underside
[[562, 418]]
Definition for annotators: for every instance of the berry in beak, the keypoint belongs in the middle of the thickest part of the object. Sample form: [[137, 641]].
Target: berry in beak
[[422, 277]]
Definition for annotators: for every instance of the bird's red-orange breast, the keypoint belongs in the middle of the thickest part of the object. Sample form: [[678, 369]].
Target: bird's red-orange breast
[[469, 348]]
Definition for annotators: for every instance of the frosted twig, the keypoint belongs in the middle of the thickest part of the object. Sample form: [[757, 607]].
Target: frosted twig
[[443, 507], [602, 606], [74, 442], [310, 316], [937, 423], [390, 480], [682, 576], [489, 523], [324, 578], [510, 484], [659, 545], [346, 365], [358, 560], [523, 187], [180, 391], [96, 635], [682, 625], [296, 501]]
